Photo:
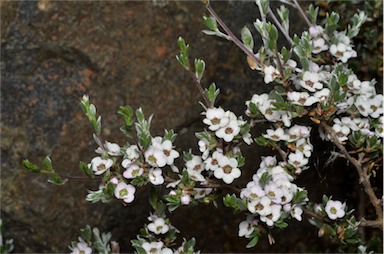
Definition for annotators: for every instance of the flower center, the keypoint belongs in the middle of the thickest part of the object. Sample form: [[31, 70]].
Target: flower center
[[101, 167], [215, 121], [197, 167], [333, 210], [227, 169], [152, 158], [123, 192], [214, 162], [228, 130], [166, 152]]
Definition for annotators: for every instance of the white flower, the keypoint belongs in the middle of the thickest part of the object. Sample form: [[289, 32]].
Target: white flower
[[342, 131], [273, 216], [276, 135], [153, 247], [322, 95], [274, 192], [201, 192], [334, 209], [246, 227], [212, 163], [298, 131], [227, 170], [370, 106], [133, 171], [315, 31], [318, 45], [185, 199], [215, 118], [297, 212], [303, 98], [229, 131], [297, 159], [99, 165], [261, 206], [268, 161], [304, 146], [82, 248], [247, 138], [132, 153], [204, 148], [270, 73], [342, 52], [113, 149], [125, 192], [195, 167], [158, 226], [311, 81], [155, 176], [155, 157], [170, 154]]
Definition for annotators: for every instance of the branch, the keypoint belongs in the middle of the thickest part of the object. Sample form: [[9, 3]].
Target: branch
[[232, 36], [200, 88], [302, 13], [363, 175], [277, 22]]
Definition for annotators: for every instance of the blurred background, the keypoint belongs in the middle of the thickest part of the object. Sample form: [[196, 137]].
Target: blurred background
[[120, 53]]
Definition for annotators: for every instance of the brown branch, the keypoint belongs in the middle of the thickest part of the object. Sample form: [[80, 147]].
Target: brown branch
[[312, 214], [232, 36], [362, 172], [201, 90]]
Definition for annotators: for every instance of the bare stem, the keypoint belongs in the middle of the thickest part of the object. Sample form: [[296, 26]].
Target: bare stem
[[362, 172], [200, 88], [313, 215], [302, 13], [232, 36]]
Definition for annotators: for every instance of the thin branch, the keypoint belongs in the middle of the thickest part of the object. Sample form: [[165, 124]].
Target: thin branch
[[302, 13], [371, 223], [362, 172], [313, 215], [277, 22], [232, 36], [200, 88]]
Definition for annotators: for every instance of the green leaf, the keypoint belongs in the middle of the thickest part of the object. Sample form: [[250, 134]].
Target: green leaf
[[47, 164], [84, 167], [253, 242], [234, 202], [153, 197], [210, 22], [56, 179], [247, 38], [312, 13], [264, 179], [86, 233], [199, 68], [212, 93], [31, 167], [127, 113]]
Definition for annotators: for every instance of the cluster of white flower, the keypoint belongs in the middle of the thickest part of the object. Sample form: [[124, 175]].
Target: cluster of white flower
[[271, 192], [266, 107], [224, 123], [223, 167]]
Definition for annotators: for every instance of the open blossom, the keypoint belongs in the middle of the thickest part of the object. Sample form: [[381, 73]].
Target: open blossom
[[133, 171], [273, 216], [229, 131], [302, 98], [276, 135], [125, 192], [99, 165], [247, 227], [318, 45], [334, 209], [155, 176], [113, 149], [155, 157], [227, 170], [169, 152], [158, 226], [82, 248], [270, 73], [342, 51], [372, 107], [297, 159], [153, 247], [304, 146], [212, 163], [215, 118], [195, 167], [311, 81], [261, 206], [342, 131], [322, 95], [298, 131], [132, 154], [296, 213]]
